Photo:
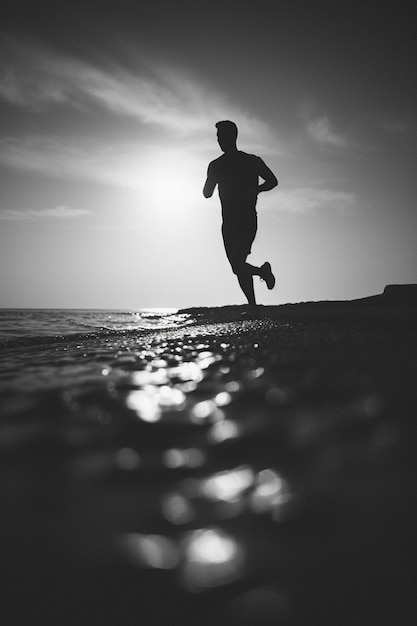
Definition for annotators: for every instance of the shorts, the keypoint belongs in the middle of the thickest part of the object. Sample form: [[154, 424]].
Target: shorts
[[238, 237]]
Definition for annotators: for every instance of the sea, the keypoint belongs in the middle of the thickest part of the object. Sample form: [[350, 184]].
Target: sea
[[214, 463], [48, 349], [31, 340], [131, 411], [31, 325]]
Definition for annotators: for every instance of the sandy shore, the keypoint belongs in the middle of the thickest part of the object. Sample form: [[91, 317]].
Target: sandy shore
[[249, 468]]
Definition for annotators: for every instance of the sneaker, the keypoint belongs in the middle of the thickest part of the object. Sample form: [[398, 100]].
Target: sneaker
[[267, 275]]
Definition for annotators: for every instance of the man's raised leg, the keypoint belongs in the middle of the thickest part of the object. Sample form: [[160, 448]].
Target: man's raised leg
[[265, 273]]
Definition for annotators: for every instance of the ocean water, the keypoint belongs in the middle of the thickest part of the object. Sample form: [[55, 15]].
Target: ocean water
[[204, 451], [136, 403], [31, 325], [31, 340]]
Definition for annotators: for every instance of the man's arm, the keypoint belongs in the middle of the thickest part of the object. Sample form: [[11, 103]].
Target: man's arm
[[268, 176], [210, 183]]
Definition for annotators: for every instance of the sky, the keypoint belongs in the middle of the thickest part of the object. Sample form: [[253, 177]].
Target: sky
[[107, 114]]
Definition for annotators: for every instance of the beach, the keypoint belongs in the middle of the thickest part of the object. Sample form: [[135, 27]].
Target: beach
[[212, 466]]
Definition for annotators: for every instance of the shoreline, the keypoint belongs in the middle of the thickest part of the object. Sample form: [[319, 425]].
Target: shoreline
[[393, 295]]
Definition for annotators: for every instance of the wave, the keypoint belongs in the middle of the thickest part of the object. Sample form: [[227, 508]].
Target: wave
[[26, 327], [36, 328]]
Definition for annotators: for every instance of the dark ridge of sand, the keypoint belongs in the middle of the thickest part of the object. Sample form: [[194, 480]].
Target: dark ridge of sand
[[393, 295]]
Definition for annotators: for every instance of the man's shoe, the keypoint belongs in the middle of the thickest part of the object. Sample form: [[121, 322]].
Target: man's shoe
[[267, 275]]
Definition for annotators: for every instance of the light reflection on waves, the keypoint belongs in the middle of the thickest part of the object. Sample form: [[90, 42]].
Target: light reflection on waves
[[197, 547], [161, 319], [205, 558], [209, 556], [206, 498], [199, 424]]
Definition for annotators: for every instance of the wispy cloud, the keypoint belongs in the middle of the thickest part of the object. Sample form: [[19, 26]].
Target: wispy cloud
[[60, 212], [35, 78], [321, 132], [395, 126], [311, 201], [171, 115], [88, 159]]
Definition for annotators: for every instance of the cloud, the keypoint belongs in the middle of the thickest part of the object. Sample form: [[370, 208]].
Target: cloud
[[170, 113], [87, 159], [320, 131], [311, 201], [396, 126], [36, 78], [59, 212]]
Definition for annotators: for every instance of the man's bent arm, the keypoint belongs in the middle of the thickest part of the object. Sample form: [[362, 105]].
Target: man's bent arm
[[210, 184], [269, 178], [209, 188]]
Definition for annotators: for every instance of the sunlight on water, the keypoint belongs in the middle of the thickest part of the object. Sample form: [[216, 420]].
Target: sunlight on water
[[144, 404], [127, 459], [170, 397], [228, 485], [153, 551], [145, 377], [190, 457], [150, 402], [187, 371], [205, 558], [203, 410], [223, 398], [204, 452], [177, 509], [161, 318], [205, 359], [226, 429], [212, 558], [270, 490]]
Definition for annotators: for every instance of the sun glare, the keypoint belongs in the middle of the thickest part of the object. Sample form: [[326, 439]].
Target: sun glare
[[173, 180]]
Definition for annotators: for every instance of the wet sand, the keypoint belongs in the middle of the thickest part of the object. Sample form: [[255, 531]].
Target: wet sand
[[252, 467]]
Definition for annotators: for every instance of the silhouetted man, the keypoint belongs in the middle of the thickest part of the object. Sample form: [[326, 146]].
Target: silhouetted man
[[237, 176]]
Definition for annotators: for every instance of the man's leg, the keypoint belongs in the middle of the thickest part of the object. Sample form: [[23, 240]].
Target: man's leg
[[237, 245], [244, 276], [265, 272], [255, 271]]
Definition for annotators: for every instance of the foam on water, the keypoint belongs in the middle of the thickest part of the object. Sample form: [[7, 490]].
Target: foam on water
[[31, 325]]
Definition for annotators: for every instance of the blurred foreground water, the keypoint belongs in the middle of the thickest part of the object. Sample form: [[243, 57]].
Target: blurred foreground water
[[209, 466]]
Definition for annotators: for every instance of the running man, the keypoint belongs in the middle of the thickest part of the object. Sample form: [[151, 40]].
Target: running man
[[237, 176]]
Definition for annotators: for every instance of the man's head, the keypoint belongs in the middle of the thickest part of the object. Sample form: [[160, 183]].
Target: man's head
[[226, 135]]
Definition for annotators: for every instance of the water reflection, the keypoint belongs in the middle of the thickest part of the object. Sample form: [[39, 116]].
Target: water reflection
[[127, 459], [149, 402], [222, 429], [206, 410], [270, 492], [178, 509], [212, 557], [146, 377], [228, 485], [226, 429], [223, 398], [198, 450], [190, 457], [203, 558], [153, 551], [145, 404]]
